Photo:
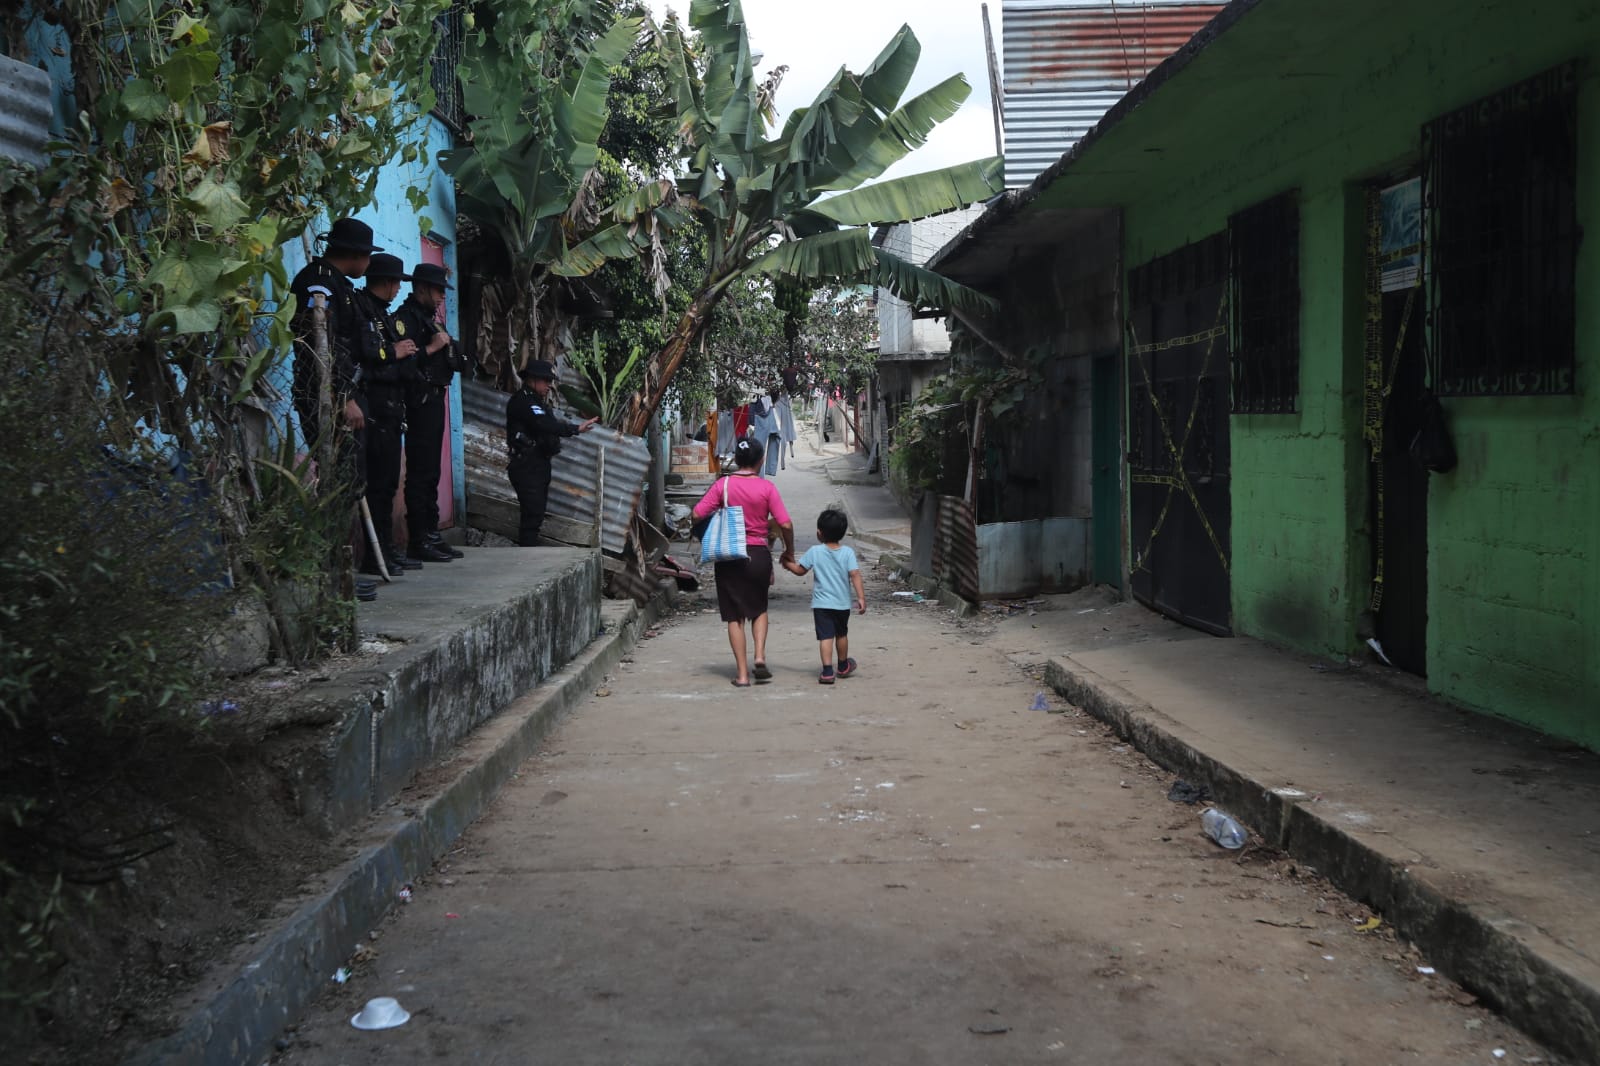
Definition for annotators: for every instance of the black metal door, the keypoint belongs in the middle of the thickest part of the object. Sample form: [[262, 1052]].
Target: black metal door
[[1395, 387], [1402, 621], [1178, 457]]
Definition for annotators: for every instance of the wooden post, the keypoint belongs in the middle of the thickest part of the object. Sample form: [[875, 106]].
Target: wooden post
[[997, 92], [600, 499], [660, 454], [323, 351], [972, 462]]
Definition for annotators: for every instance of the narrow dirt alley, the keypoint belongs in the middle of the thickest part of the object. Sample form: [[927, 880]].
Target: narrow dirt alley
[[912, 866]]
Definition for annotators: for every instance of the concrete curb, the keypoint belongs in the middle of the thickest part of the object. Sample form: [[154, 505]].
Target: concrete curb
[[881, 543], [1490, 954], [928, 586], [242, 1022]]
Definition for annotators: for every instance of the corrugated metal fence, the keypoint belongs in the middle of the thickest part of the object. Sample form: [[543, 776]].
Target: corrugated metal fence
[[944, 544], [621, 463], [24, 112], [1067, 61]]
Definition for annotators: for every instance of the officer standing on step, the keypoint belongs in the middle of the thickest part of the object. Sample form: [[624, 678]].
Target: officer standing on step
[[386, 366], [347, 255], [436, 362], [533, 434]]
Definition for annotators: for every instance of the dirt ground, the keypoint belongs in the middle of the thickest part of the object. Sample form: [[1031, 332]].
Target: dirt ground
[[232, 860], [912, 866]]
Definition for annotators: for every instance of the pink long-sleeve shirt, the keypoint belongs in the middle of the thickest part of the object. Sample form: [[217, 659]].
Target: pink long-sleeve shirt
[[756, 495]]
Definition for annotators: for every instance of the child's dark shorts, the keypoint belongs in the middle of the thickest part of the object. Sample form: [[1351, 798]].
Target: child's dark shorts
[[831, 623]]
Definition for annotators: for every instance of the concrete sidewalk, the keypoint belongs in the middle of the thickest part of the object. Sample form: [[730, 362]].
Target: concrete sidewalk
[[1476, 839], [464, 670], [836, 473]]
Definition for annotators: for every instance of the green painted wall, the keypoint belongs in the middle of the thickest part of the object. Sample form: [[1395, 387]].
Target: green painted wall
[[1324, 98]]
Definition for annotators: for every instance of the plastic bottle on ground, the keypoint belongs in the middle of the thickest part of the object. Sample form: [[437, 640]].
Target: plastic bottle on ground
[[1223, 829]]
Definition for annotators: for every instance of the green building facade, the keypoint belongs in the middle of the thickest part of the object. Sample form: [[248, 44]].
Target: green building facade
[[1325, 210]]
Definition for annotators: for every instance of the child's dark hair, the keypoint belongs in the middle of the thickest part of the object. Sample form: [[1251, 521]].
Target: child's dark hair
[[747, 454], [832, 526]]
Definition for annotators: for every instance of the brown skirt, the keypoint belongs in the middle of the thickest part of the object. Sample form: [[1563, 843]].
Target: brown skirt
[[743, 583]]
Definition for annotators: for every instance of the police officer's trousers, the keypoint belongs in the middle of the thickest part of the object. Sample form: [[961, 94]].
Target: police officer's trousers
[[424, 439], [386, 411], [530, 477]]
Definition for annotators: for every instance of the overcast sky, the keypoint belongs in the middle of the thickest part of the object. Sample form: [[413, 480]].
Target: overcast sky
[[814, 39]]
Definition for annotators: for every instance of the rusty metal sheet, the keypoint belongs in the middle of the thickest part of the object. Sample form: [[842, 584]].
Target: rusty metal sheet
[[1067, 61], [955, 551], [619, 462]]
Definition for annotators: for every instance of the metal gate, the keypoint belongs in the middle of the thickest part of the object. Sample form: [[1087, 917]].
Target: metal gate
[[1178, 458]]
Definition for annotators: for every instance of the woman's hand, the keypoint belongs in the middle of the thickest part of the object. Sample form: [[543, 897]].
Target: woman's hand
[[588, 425]]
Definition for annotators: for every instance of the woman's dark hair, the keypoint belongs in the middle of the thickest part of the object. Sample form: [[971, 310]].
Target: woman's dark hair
[[832, 525], [747, 454]]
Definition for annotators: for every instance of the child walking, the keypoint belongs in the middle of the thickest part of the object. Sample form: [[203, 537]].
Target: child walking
[[836, 573]]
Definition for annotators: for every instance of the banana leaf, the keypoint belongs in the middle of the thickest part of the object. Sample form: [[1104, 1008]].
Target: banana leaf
[[902, 132], [840, 253], [914, 196], [921, 287]]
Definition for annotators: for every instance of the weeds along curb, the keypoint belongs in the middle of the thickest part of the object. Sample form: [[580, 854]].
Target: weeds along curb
[[240, 1025], [927, 585], [1482, 951]]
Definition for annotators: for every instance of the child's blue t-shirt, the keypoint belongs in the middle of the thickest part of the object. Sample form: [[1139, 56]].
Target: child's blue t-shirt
[[830, 575]]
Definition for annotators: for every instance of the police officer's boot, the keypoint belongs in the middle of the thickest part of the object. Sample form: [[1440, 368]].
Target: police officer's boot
[[434, 543], [399, 560]]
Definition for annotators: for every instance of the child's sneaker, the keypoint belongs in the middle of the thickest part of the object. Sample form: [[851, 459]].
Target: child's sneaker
[[847, 668], [826, 677]]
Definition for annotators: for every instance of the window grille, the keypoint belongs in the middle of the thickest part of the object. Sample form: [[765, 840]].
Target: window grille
[[448, 103], [1499, 189], [1264, 250]]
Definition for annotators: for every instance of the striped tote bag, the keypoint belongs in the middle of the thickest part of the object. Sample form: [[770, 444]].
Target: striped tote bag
[[724, 538]]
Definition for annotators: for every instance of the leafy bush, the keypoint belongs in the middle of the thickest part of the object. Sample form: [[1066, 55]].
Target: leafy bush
[[109, 582]]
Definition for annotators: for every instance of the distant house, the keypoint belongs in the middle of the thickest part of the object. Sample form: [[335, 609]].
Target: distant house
[[1317, 251], [912, 348]]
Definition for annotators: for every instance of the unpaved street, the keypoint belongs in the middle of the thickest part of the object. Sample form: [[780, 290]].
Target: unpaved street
[[912, 866]]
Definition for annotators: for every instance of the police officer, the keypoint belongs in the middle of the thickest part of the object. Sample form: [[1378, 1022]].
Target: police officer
[[386, 366], [533, 433], [427, 392], [346, 255]]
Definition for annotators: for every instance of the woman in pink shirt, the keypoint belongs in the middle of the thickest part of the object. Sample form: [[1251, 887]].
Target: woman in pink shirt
[[742, 584]]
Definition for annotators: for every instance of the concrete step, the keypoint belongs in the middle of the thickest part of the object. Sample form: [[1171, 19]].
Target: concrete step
[[445, 647]]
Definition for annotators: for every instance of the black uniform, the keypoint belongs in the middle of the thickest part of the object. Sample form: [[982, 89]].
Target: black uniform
[[385, 379], [427, 392], [533, 432], [344, 342]]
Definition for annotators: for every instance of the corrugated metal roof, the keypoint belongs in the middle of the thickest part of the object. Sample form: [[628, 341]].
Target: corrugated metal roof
[[24, 112], [574, 473], [1066, 62]]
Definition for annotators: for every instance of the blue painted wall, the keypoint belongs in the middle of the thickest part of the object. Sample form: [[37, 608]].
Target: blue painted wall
[[398, 229]]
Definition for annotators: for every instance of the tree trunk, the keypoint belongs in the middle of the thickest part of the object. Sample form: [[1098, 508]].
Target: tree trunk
[[658, 373]]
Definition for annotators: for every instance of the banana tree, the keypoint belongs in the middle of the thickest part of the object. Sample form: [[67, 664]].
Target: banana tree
[[797, 205], [527, 174]]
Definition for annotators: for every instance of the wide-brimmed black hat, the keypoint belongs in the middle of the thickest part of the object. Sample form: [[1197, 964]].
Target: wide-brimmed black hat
[[431, 274], [539, 369], [385, 267], [350, 235]]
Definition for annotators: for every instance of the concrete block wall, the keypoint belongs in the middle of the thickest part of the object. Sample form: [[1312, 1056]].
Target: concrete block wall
[[1514, 532], [364, 733]]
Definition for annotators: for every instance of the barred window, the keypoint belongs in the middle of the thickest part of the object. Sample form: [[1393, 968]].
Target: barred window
[[448, 104], [1499, 187], [1264, 248]]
